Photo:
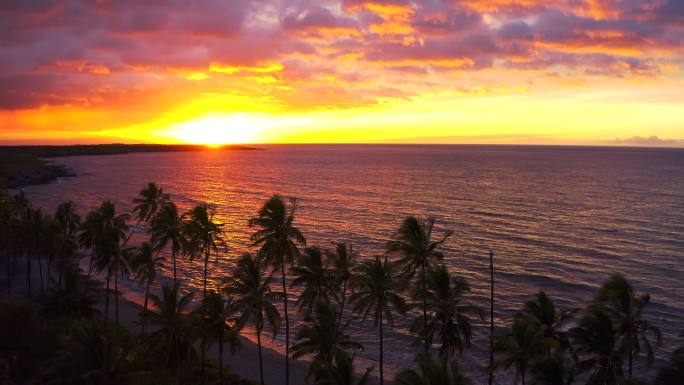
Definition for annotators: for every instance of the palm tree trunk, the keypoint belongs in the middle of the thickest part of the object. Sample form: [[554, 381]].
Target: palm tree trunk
[[147, 296], [107, 295], [116, 302], [261, 360], [28, 273], [47, 280], [220, 342], [630, 365], [382, 378], [206, 266], [523, 376], [287, 326], [344, 291], [423, 294], [491, 317], [173, 256], [90, 263], [40, 273], [9, 275]]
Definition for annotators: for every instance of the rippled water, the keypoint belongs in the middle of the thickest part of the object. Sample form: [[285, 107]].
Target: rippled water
[[559, 219]]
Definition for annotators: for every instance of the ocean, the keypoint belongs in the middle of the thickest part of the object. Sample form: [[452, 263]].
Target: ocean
[[559, 219]]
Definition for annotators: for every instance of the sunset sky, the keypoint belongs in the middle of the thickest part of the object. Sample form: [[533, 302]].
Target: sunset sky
[[432, 71]]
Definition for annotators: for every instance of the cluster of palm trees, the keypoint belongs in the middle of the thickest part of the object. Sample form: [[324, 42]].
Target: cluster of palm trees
[[335, 288]]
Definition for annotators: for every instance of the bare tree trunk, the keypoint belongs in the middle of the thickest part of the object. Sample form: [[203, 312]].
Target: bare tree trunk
[[287, 327]]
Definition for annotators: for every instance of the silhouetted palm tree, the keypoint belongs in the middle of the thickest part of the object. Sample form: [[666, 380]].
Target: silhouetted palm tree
[[519, 346], [312, 273], [377, 294], [625, 308], [213, 315], [145, 264], [174, 335], [343, 260], [340, 371], [321, 337], [90, 231], [253, 299], [553, 369], [93, 354], [167, 228], [543, 310], [75, 297], [417, 251], [277, 239], [673, 372], [111, 235], [433, 373], [596, 337], [66, 222], [204, 235], [450, 319], [148, 202]]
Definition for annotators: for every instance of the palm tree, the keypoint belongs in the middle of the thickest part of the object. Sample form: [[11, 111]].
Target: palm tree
[[167, 228], [67, 222], [377, 294], [312, 272], [451, 316], [90, 230], [204, 235], [673, 372], [597, 338], [174, 335], [148, 202], [322, 337], [74, 298], [625, 308], [519, 346], [93, 354], [343, 260], [145, 265], [213, 315], [340, 372], [433, 373], [553, 369], [544, 311], [110, 236], [277, 239], [251, 289], [413, 244]]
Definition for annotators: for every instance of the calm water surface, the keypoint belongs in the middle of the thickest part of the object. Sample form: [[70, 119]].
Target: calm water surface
[[559, 219]]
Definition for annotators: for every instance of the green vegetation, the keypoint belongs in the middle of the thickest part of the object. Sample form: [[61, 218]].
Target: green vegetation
[[58, 335]]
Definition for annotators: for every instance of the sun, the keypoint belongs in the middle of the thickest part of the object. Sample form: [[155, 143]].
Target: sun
[[214, 131]]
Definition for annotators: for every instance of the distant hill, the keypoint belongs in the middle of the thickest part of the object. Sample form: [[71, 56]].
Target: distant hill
[[107, 149]]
